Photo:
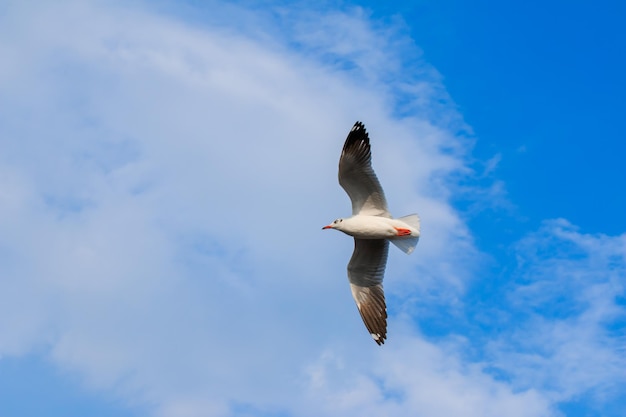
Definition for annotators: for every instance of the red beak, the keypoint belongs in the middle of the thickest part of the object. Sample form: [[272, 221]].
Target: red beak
[[327, 227]]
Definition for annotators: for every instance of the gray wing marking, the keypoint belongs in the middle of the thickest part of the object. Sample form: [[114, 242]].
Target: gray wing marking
[[357, 176], [365, 272]]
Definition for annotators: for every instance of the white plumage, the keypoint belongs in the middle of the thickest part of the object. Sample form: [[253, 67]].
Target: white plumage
[[373, 228]]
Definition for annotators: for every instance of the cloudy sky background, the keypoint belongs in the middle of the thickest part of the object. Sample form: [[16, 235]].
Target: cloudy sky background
[[166, 167]]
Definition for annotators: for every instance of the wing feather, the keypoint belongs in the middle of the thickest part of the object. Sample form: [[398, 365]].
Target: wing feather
[[366, 270], [357, 176]]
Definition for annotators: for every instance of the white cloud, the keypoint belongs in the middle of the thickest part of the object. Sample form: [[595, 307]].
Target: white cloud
[[169, 185], [567, 306], [415, 376]]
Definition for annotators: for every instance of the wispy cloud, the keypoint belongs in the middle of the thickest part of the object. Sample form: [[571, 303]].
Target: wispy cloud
[[568, 304]]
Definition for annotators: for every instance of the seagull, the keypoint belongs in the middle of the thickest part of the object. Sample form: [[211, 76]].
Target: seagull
[[373, 228]]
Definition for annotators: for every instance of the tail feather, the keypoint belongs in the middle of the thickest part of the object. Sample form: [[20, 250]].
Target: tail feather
[[412, 220], [407, 244]]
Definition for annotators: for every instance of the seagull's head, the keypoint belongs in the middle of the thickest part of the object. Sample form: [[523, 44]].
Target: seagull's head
[[337, 224]]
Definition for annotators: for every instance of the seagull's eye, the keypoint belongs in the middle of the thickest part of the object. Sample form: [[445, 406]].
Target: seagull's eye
[[335, 222]]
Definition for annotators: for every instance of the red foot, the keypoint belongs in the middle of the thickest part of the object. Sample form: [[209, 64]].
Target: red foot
[[402, 231]]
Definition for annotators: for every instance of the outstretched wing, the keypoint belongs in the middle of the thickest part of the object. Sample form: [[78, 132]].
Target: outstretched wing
[[365, 272], [357, 177]]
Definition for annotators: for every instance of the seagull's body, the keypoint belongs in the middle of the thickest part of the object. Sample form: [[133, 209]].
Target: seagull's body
[[373, 228]]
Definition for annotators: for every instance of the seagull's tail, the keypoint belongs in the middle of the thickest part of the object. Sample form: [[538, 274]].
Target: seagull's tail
[[407, 244], [412, 220]]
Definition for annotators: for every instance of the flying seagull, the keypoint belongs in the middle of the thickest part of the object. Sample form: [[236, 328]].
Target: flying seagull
[[373, 228]]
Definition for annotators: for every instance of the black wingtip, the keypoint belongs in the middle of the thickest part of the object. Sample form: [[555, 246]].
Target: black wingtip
[[358, 129], [358, 125], [357, 137], [357, 144]]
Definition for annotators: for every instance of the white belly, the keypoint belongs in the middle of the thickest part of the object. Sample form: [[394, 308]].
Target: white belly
[[374, 227]]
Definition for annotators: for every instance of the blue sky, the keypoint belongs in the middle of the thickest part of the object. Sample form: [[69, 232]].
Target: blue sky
[[166, 168], [542, 77]]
